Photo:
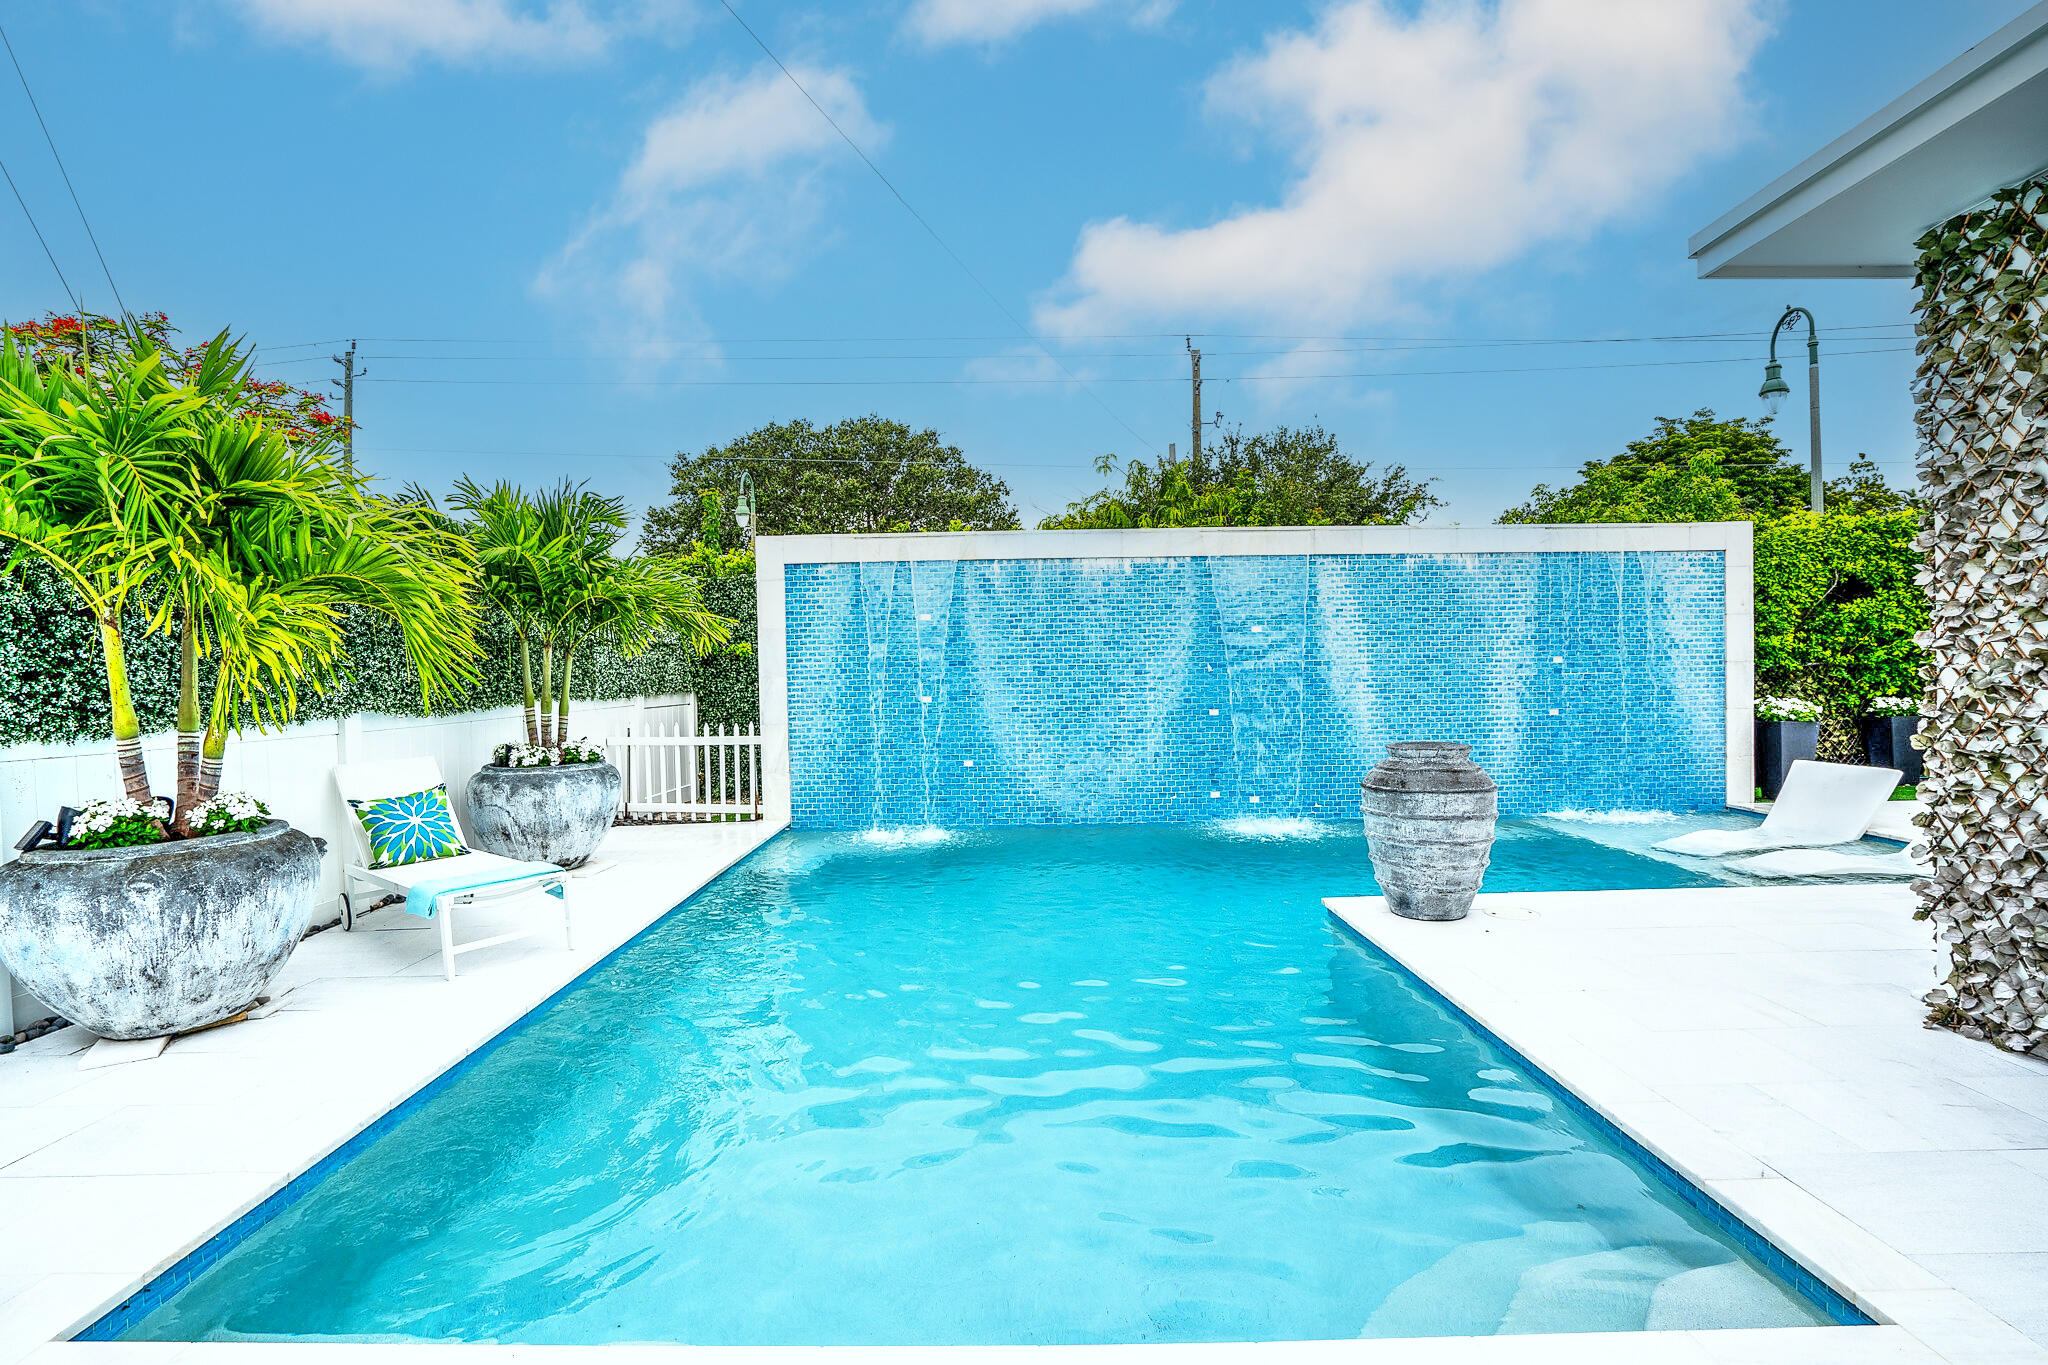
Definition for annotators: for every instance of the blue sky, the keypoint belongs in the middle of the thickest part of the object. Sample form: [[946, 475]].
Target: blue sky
[[635, 232]]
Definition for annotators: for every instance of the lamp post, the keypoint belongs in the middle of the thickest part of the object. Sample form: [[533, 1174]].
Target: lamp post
[[743, 505], [1775, 390]]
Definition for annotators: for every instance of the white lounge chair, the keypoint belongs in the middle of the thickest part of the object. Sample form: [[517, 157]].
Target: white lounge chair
[[398, 777], [1826, 862], [1821, 804]]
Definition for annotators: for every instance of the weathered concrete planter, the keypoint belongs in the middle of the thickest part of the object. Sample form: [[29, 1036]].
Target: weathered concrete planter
[[553, 815], [1429, 817], [141, 942]]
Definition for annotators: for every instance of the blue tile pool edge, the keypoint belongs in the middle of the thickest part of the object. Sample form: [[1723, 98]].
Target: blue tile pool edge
[[1803, 1281], [167, 1282]]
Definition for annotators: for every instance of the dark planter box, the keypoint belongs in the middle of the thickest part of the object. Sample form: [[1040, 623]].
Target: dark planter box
[[1888, 743], [1780, 744]]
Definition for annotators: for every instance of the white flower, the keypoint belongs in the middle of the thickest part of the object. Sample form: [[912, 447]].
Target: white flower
[[1893, 706], [1786, 708]]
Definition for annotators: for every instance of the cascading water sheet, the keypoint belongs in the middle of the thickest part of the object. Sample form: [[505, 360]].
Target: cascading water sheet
[[1195, 688]]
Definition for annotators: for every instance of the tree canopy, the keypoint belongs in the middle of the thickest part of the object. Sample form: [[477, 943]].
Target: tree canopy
[[864, 474], [1289, 476], [1704, 468], [1836, 602]]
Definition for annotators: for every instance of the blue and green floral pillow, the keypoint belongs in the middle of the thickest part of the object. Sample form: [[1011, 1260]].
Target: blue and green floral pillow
[[413, 828]]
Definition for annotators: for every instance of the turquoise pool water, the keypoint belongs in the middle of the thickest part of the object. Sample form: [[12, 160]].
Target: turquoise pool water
[[1045, 1085]]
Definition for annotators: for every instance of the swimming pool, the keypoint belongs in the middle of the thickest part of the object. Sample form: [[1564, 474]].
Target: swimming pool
[[1084, 1084]]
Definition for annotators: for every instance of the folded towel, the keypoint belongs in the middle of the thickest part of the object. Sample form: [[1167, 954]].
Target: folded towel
[[424, 897]]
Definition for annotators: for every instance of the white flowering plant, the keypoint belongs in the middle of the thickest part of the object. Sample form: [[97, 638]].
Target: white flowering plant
[[1893, 706], [117, 822], [1786, 708], [228, 813], [547, 756]]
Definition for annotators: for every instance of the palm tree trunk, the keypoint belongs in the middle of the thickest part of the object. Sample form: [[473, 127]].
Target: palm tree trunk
[[127, 726], [547, 692], [562, 705], [215, 749], [190, 734], [526, 676]]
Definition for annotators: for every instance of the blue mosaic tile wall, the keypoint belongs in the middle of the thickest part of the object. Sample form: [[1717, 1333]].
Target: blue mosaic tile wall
[[1076, 691]]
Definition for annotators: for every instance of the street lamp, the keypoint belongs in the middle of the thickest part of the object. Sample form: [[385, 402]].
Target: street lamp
[[1775, 390], [743, 506]]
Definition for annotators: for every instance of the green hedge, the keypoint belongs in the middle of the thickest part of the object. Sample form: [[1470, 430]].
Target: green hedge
[[1837, 607], [54, 677], [728, 684]]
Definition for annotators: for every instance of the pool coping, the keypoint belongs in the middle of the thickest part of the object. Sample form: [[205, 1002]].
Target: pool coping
[[1898, 1294]]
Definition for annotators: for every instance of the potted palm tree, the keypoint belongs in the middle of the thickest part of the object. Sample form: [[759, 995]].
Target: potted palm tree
[[167, 506], [550, 565]]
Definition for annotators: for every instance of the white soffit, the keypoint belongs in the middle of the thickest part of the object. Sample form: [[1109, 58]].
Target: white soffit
[[1855, 208]]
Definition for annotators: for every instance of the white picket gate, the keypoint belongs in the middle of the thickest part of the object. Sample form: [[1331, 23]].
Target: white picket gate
[[714, 774]]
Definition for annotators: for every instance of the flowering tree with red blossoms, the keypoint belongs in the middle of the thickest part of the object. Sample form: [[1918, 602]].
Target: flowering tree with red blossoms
[[102, 342]]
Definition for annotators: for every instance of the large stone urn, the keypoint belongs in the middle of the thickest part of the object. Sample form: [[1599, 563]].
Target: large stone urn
[[557, 814], [1429, 816], [143, 942]]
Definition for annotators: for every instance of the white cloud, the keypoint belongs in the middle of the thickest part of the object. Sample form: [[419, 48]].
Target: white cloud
[[1430, 148], [938, 23], [725, 183], [396, 33]]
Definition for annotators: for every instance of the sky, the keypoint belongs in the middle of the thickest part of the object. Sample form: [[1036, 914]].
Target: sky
[[576, 236]]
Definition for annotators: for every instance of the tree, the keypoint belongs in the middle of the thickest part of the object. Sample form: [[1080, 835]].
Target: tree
[[550, 564], [1837, 606], [171, 494], [1289, 476], [104, 344], [1745, 453], [864, 474]]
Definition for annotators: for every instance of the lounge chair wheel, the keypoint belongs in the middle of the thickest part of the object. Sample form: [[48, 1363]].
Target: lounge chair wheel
[[348, 913]]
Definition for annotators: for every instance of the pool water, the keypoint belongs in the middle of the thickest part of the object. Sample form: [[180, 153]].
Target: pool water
[[1046, 1085]]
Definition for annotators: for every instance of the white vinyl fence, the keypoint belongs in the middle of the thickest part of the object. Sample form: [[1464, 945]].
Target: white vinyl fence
[[686, 772], [291, 771]]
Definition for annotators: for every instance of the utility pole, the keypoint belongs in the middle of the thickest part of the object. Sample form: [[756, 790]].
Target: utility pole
[[1195, 429], [349, 375]]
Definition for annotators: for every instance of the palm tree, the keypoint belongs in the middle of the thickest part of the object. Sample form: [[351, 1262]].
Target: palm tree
[[144, 490], [294, 540], [505, 531], [92, 484], [549, 562]]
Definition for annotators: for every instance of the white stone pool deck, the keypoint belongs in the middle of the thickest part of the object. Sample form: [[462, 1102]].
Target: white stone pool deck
[[1766, 1042], [109, 1176]]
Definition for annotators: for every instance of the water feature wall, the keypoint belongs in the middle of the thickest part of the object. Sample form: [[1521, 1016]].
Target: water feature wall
[[959, 692]]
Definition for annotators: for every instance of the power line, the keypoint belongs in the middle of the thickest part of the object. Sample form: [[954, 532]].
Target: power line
[[929, 229], [1099, 336], [74, 299], [1088, 355], [1123, 379], [20, 75]]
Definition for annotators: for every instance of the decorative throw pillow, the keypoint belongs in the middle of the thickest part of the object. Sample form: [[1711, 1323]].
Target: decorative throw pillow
[[413, 828]]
